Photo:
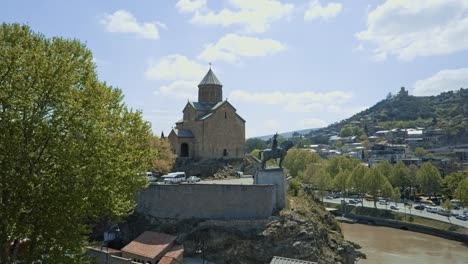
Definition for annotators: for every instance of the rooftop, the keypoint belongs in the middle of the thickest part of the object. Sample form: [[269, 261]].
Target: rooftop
[[150, 244], [210, 78], [281, 260]]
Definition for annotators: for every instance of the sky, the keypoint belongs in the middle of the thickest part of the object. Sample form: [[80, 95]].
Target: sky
[[285, 65]]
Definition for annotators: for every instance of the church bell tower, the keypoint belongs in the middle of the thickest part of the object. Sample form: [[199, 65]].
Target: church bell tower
[[210, 89]]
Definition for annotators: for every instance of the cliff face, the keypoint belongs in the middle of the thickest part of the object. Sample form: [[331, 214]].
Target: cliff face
[[305, 231]]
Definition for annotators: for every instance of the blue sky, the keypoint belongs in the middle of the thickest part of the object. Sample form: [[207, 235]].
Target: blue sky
[[285, 65]]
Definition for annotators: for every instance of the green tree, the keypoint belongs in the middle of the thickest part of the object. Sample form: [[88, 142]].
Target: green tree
[[461, 192], [71, 153], [400, 175], [254, 143], [341, 180], [303, 143], [338, 163], [357, 181], [428, 178], [420, 152], [385, 168], [396, 195], [375, 182], [297, 160], [317, 175], [452, 181]]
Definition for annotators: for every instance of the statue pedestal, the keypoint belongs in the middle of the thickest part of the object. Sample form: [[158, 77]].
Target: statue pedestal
[[276, 177]]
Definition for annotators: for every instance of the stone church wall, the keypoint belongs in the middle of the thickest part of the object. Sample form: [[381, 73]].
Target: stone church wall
[[209, 201], [226, 131]]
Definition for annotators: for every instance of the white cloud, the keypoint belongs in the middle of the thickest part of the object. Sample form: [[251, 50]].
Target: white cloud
[[316, 10], [123, 21], [175, 67], [254, 16], [417, 28], [313, 122], [183, 74], [230, 47], [180, 89], [445, 80], [296, 102], [188, 6], [306, 97]]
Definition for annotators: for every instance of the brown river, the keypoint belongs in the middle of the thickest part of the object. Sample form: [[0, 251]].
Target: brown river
[[384, 245]]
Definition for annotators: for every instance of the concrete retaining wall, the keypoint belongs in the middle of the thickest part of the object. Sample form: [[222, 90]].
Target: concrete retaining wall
[[208, 201]]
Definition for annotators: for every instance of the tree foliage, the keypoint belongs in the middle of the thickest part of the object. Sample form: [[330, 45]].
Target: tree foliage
[[254, 143], [340, 181], [357, 180], [297, 160], [400, 175], [429, 179], [70, 150], [375, 182], [164, 157], [461, 192]]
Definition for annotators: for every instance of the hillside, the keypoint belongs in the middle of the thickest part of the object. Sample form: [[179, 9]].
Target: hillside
[[447, 111]]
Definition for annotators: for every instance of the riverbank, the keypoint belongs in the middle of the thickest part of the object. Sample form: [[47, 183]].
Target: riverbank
[[385, 245], [380, 217]]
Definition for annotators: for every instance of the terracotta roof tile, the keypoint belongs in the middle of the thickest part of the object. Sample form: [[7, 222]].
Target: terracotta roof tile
[[150, 244]]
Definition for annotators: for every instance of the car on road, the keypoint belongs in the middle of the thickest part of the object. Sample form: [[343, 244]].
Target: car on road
[[419, 207], [383, 202], [193, 179], [343, 201], [444, 212], [462, 217], [431, 209], [330, 197], [351, 201], [452, 213], [174, 178], [393, 207]]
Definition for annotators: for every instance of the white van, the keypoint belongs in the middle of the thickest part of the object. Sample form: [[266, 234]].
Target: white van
[[174, 177]]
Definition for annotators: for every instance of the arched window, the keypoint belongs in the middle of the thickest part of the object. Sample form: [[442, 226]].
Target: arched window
[[225, 115], [184, 150], [225, 152]]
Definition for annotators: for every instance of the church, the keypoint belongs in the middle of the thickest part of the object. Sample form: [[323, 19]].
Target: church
[[210, 128]]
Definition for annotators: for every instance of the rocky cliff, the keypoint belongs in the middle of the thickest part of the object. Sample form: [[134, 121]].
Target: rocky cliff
[[304, 231]]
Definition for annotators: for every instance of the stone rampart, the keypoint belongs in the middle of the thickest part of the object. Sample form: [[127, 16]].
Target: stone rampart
[[208, 201]]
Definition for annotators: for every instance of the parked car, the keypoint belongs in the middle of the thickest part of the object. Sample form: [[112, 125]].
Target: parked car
[[329, 197], [383, 202], [431, 209], [193, 179], [444, 212], [453, 213], [174, 178], [419, 207], [462, 217], [394, 208]]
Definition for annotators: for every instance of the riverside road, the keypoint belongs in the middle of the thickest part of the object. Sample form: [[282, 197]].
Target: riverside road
[[404, 209]]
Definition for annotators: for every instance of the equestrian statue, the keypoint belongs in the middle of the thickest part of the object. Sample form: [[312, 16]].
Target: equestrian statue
[[275, 152]]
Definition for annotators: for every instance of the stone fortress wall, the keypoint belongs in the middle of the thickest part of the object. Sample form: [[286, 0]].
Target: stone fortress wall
[[208, 201]]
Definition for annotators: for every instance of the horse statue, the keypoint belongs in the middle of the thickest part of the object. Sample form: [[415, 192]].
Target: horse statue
[[280, 153]]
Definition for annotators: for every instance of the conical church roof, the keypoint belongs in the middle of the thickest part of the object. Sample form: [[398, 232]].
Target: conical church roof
[[210, 79]]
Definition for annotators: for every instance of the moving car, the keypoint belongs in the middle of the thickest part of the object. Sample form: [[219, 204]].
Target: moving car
[[351, 201], [383, 202], [193, 179], [394, 207]]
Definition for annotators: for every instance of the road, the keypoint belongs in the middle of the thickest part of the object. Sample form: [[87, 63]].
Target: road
[[404, 209], [246, 181]]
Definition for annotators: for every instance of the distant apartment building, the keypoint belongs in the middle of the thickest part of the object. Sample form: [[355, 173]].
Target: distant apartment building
[[386, 152]]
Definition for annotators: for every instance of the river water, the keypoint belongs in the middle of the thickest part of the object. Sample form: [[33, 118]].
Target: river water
[[384, 245]]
